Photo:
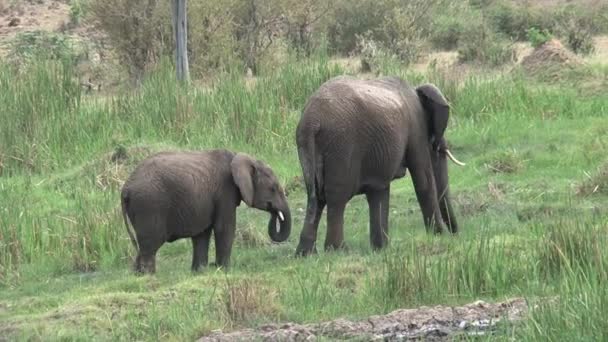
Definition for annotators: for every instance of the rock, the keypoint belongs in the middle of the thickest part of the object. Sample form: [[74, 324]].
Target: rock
[[439, 323]]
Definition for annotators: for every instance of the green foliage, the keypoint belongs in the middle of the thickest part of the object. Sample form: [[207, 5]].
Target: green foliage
[[139, 31], [65, 256], [35, 45], [480, 44], [514, 21], [538, 37], [448, 31], [354, 19], [77, 11], [579, 37], [212, 43], [374, 55], [37, 101]]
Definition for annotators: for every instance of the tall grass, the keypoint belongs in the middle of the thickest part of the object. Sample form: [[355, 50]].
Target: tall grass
[[59, 199], [50, 127]]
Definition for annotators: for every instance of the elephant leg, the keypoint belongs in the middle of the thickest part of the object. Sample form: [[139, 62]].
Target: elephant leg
[[200, 247], [146, 258], [224, 229], [378, 202], [423, 179], [150, 237], [308, 237], [334, 238]]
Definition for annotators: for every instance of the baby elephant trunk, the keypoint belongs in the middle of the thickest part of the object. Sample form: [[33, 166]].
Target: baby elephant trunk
[[279, 226]]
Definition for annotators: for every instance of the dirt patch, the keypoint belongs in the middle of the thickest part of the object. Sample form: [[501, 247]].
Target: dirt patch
[[439, 323], [550, 57], [48, 16]]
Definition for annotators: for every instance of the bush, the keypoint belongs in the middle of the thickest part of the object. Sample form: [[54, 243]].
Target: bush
[[77, 9], [212, 43], [447, 32], [374, 55], [353, 19], [579, 37], [406, 25], [140, 31], [514, 21], [36, 45], [480, 44], [538, 37]]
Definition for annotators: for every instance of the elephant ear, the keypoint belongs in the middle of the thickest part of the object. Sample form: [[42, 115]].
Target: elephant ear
[[437, 107], [243, 172]]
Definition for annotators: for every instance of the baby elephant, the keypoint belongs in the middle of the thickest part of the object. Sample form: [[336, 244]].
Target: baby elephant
[[174, 195]]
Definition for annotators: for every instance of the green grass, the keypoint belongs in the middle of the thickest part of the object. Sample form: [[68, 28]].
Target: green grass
[[65, 257]]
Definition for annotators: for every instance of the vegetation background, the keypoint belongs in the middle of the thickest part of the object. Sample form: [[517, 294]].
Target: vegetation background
[[87, 89]]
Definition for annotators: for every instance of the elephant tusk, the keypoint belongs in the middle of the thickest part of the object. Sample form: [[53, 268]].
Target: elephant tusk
[[281, 217], [452, 158]]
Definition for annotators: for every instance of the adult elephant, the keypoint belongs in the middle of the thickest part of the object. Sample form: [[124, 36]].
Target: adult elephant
[[355, 137]]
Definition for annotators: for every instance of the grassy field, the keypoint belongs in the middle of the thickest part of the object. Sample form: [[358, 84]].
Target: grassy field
[[532, 203]]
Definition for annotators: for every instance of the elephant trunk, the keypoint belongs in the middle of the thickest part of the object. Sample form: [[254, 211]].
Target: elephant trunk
[[447, 212], [279, 225], [440, 168]]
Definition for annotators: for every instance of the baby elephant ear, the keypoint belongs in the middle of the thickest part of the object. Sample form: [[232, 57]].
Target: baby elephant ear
[[243, 170], [437, 107]]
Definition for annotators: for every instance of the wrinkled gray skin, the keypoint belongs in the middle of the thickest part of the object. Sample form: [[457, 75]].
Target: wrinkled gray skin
[[174, 195], [355, 137]]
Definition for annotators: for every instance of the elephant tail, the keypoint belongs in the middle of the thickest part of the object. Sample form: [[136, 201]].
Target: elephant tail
[[124, 200], [310, 161]]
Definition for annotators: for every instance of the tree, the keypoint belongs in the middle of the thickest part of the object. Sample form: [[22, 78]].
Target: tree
[[180, 32], [301, 16], [134, 27], [258, 25]]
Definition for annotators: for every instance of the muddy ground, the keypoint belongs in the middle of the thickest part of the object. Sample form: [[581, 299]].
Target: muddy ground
[[438, 323]]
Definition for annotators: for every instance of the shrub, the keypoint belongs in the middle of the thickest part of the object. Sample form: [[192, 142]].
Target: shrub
[[37, 45], [514, 21], [538, 37], [138, 29], [447, 32], [76, 11], [579, 37], [352, 19], [406, 25], [374, 55], [480, 44], [212, 43]]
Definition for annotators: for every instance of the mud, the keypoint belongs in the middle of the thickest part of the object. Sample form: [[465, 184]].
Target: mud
[[438, 323]]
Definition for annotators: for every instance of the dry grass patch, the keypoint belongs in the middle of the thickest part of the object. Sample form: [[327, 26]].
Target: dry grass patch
[[596, 183], [550, 60], [249, 237], [247, 299], [112, 169], [509, 161]]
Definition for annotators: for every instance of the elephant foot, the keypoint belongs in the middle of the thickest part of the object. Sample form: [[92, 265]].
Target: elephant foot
[[377, 247], [343, 247], [219, 266], [305, 249], [199, 269], [145, 265]]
